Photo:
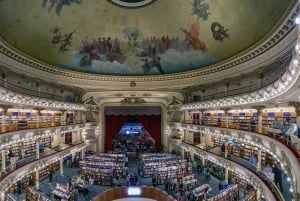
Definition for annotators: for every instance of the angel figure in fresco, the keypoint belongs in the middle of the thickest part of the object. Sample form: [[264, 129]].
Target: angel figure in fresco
[[200, 8], [192, 37]]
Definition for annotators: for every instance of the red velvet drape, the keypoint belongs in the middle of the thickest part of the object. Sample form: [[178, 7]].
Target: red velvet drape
[[152, 123], [113, 124]]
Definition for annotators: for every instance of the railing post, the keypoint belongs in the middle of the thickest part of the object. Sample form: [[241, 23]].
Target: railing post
[[37, 179], [61, 167], [226, 175], [3, 157], [259, 160], [37, 146]]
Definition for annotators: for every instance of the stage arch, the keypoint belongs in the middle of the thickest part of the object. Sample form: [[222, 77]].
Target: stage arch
[[116, 117]]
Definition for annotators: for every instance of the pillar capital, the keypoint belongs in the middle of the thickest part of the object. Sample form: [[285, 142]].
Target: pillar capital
[[39, 109], [5, 107], [202, 110], [259, 108], [4, 72], [226, 109], [63, 111], [296, 106]]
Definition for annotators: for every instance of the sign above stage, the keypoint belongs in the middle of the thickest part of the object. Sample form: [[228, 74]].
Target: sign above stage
[[129, 110]]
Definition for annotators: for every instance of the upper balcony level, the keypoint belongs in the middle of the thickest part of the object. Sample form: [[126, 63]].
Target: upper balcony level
[[275, 148]]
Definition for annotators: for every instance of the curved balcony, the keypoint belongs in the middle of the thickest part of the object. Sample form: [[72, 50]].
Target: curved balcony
[[37, 126], [10, 97], [287, 81], [20, 169], [258, 179], [274, 144], [266, 133]]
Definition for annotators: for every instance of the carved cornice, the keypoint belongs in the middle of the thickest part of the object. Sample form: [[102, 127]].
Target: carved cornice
[[264, 51]]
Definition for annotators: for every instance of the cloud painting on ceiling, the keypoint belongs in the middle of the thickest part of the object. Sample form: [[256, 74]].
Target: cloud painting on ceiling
[[99, 37]]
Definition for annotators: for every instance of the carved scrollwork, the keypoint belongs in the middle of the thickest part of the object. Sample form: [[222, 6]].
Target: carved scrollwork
[[134, 100]]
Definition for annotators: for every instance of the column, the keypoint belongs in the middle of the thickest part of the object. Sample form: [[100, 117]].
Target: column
[[3, 157], [78, 135], [4, 75], [182, 151], [201, 118], [226, 151], [2, 195], [61, 167], [3, 128], [259, 160], [226, 116], [203, 161], [39, 110], [38, 87], [202, 94], [52, 118], [226, 175], [62, 92], [192, 155], [82, 153], [226, 87], [258, 194], [4, 111], [259, 109], [37, 179], [37, 146], [63, 117]]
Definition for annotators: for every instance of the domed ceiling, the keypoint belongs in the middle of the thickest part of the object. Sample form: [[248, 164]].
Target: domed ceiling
[[136, 37]]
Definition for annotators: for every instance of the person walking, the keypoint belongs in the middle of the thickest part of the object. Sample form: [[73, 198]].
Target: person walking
[[50, 176], [252, 124], [278, 176]]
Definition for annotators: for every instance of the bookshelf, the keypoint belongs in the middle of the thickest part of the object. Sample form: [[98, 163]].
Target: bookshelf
[[236, 179], [46, 141], [164, 167], [102, 167], [218, 140], [34, 195], [229, 194], [30, 148]]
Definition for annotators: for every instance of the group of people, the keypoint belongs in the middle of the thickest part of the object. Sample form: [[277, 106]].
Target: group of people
[[275, 174], [287, 131]]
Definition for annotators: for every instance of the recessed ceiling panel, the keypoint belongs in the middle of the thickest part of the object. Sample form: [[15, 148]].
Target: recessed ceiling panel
[[164, 37]]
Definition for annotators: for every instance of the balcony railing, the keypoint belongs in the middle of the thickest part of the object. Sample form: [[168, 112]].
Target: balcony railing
[[13, 167], [31, 92], [274, 189], [276, 134], [17, 127]]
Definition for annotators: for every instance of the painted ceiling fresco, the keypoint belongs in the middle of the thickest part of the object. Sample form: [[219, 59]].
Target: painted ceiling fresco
[[163, 37]]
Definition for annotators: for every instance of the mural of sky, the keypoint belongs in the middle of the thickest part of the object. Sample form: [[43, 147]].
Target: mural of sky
[[161, 38]]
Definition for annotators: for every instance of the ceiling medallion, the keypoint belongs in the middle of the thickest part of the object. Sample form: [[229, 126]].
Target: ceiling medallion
[[132, 3], [132, 84]]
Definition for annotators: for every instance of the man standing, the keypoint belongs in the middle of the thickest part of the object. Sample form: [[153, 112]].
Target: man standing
[[277, 176], [292, 133]]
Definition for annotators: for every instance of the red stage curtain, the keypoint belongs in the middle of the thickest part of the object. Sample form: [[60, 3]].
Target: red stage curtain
[[152, 123], [113, 124]]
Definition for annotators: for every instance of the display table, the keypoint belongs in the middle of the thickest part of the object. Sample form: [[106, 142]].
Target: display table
[[61, 191], [82, 185], [200, 190]]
